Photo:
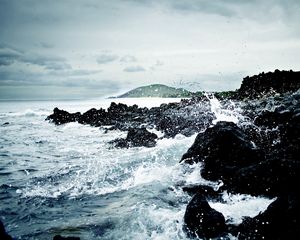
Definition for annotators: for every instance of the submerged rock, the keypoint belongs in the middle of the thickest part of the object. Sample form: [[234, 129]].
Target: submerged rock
[[136, 137], [202, 221]]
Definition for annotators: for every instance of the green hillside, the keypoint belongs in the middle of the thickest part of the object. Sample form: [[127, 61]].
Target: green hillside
[[156, 90]]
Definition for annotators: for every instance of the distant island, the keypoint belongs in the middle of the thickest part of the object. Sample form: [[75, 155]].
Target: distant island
[[157, 90], [164, 91]]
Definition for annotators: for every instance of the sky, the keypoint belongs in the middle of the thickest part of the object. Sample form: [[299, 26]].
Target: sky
[[94, 48]]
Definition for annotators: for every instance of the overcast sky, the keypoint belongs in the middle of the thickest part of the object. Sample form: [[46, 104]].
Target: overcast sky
[[94, 48]]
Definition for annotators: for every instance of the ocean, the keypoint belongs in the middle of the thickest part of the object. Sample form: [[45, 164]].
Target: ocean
[[69, 180]]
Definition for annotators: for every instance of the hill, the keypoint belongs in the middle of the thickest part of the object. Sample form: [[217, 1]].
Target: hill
[[156, 90]]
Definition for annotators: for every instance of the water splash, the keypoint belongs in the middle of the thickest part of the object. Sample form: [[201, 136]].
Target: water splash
[[228, 114]]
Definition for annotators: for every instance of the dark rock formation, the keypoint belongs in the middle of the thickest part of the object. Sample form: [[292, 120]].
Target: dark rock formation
[[61, 117], [224, 148], [279, 221], [202, 221], [137, 137], [263, 83], [3, 234]]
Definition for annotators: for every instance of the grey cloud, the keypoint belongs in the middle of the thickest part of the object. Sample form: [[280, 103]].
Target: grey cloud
[[128, 59], [46, 45], [209, 7], [48, 62], [106, 58], [8, 56], [134, 69]]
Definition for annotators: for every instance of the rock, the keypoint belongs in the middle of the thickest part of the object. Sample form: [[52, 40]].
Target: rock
[[59, 237], [223, 148], [137, 137], [272, 178], [279, 221], [6, 123], [203, 190], [61, 117], [264, 83], [202, 221], [3, 234], [93, 117]]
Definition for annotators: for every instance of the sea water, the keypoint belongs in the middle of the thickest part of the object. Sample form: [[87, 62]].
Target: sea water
[[68, 180]]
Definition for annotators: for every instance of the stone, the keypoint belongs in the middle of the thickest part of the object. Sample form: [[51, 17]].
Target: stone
[[202, 221]]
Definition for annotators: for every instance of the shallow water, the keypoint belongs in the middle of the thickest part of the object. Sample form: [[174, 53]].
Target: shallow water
[[68, 180]]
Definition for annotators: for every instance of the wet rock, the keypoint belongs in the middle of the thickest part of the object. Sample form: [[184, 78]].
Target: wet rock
[[6, 123], [3, 234], [272, 178], [93, 117], [137, 137], [223, 148], [203, 190], [202, 221], [279, 221], [59, 237], [61, 117]]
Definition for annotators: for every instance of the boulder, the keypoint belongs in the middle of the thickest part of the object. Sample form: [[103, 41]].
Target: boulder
[[224, 149], [61, 117], [137, 137], [202, 221], [272, 177], [279, 221]]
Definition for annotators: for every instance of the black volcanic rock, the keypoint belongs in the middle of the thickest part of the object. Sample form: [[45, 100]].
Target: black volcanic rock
[[136, 137], [202, 221], [279, 221], [263, 83], [223, 148], [93, 117], [61, 117]]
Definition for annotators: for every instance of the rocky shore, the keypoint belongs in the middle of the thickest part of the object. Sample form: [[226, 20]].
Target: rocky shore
[[257, 155], [260, 158]]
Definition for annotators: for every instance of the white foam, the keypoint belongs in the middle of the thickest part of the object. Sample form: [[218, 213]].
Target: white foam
[[237, 206]]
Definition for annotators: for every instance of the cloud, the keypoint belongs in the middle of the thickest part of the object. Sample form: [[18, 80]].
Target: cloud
[[48, 62], [8, 55], [134, 69], [209, 7], [128, 59], [106, 58]]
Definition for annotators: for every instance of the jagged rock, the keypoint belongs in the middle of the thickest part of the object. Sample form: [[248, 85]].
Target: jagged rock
[[272, 177], [61, 117], [59, 237], [137, 137], [264, 83], [202, 221], [3, 234], [223, 148], [279, 221], [93, 117]]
